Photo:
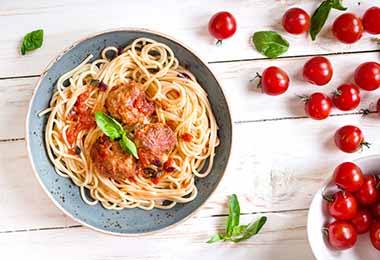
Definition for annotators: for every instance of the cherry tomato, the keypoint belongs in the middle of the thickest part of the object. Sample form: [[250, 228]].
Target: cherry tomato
[[318, 106], [371, 20], [349, 139], [367, 194], [346, 97], [342, 206], [367, 76], [274, 81], [362, 221], [375, 235], [375, 209], [348, 28], [342, 235], [348, 176], [318, 71], [296, 21], [222, 26]]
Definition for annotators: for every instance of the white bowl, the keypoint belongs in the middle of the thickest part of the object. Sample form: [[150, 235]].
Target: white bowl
[[318, 218]]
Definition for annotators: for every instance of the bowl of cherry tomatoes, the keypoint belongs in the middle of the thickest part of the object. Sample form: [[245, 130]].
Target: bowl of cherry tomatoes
[[344, 216]]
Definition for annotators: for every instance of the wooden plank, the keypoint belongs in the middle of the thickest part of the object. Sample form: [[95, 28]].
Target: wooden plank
[[26, 203], [286, 232], [275, 166], [15, 95], [279, 165], [246, 102], [71, 20]]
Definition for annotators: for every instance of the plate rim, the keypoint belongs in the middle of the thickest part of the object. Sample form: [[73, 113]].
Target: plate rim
[[33, 97]]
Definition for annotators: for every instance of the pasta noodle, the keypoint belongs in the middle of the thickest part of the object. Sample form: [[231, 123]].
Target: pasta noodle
[[180, 102]]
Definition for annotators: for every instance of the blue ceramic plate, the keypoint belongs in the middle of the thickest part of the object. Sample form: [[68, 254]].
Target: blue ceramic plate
[[66, 195]]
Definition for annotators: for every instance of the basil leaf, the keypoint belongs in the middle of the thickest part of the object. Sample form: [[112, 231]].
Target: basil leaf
[[234, 214], [337, 4], [270, 44], [32, 41], [109, 126], [128, 146], [320, 16], [250, 230], [215, 238], [236, 231], [319, 19]]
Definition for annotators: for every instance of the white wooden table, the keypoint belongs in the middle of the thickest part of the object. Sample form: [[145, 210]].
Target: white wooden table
[[280, 158]]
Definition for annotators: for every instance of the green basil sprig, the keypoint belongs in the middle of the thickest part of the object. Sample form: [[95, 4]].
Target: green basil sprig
[[247, 231], [337, 4], [234, 214], [321, 14], [128, 146], [115, 131], [235, 232], [32, 41], [270, 43]]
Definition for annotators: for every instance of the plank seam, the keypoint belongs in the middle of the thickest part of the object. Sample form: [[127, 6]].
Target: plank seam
[[295, 56], [38, 229], [260, 212], [243, 60], [211, 216], [299, 117], [12, 139], [19, 77]]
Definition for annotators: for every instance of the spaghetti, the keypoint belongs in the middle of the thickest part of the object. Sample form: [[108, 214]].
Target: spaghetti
[[179, 103]]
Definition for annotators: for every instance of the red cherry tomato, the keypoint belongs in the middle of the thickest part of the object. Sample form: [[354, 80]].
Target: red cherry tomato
[[343, 206], [374, 234], [375, 210], [367, 76], [349, 139], [318, 106], [296, 21], [348, 176], [367, 194], [318, 71], [274, 81], [348, 28], [346, 97], [371, 20], [342, 235], [222, 26], [362, 221]]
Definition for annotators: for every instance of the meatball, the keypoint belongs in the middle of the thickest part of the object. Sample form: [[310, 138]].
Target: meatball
[[111, 161], [154, 141], [129, 104]]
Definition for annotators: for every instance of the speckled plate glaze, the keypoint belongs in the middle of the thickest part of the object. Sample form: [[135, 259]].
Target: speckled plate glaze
[[66, 195]]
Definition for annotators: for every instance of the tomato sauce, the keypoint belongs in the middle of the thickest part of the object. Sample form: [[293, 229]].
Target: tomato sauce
[[156, 180], [82, 117], [132, 179], [187, 137], [169, 165]]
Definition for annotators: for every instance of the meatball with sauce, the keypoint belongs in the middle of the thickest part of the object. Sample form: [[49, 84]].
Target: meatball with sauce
[[111, 161], [129, 104], [154, 141]]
